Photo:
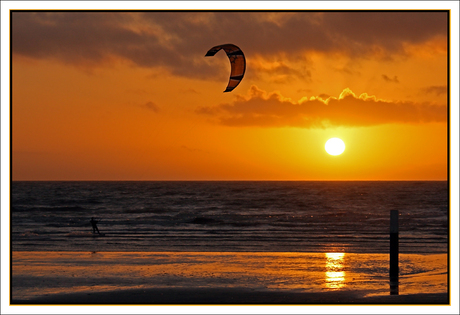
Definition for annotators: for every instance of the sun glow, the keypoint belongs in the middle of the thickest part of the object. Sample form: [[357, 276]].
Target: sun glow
[[335, 146]]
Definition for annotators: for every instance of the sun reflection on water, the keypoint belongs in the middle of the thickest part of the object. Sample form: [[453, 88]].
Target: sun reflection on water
[[335, 276]]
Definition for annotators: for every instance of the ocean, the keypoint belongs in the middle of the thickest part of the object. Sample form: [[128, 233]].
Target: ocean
[[233, 216]]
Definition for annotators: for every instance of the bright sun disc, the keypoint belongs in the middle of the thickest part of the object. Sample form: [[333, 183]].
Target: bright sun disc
[[334, 146]]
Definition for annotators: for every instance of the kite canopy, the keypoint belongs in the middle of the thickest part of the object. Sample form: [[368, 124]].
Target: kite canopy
[[237, 61]]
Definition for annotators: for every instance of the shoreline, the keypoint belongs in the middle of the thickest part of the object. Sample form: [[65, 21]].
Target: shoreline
[[224, 278], [232, 296]]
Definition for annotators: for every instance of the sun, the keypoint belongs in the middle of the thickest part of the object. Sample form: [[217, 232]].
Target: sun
[[335, 146]]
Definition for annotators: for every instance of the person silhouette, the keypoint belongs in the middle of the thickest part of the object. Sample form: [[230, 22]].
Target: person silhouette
[[94, 225]]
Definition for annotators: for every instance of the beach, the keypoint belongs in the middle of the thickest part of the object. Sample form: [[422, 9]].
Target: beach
[[216, 278], [227, 243], [238, 296]]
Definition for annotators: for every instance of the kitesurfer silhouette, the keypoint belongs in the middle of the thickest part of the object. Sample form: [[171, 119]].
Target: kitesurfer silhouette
[[94, 225]]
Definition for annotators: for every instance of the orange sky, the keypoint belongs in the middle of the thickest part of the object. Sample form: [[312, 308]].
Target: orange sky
[[130, 96]]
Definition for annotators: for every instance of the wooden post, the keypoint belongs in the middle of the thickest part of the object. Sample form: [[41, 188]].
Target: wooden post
[[394, 252]]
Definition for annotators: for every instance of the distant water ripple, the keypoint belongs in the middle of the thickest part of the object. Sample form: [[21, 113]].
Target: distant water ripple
[[230, 216]]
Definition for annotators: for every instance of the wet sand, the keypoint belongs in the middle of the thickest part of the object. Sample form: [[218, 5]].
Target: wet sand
[[201, 278], [239, 296]]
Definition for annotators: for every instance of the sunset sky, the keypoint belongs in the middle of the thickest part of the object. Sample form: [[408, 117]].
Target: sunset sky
[[130, 95]]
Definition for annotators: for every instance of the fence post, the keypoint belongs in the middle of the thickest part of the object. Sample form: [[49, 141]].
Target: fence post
[[394, 252]]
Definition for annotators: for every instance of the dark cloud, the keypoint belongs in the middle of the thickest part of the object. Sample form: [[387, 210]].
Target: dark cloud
[[273, 110], [388, 30], [177, 41], [282, 73], [391, 80], [437, 90], [152, 106]]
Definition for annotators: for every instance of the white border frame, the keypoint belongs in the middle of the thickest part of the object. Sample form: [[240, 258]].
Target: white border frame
[[227, 5]]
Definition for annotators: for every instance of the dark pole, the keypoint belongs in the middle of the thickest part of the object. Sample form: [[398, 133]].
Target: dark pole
[[394, 252]]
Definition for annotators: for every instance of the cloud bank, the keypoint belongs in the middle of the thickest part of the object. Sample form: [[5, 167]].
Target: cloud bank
[[263, 109], [177, 41]]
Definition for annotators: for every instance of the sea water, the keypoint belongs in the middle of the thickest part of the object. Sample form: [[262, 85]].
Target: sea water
[[213, 216]]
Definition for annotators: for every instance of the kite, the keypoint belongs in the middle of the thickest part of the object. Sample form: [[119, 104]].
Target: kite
[[237, 61]]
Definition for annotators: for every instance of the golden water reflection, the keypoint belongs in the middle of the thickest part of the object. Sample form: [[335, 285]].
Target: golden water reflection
[[37, 273], [335, 275]]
